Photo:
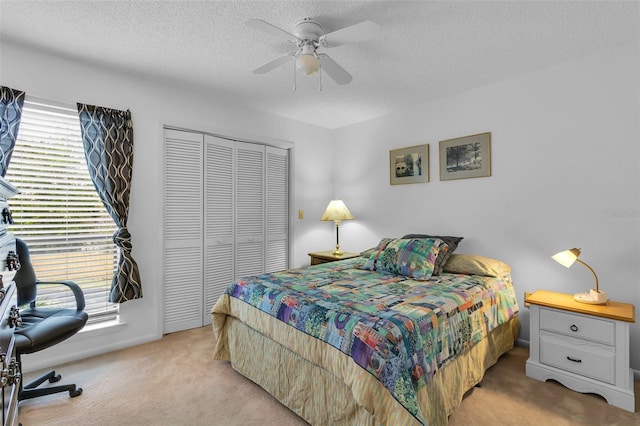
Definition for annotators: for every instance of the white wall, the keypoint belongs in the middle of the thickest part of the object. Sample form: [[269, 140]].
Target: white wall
[[565, 173], [152, 106], [577, 121]]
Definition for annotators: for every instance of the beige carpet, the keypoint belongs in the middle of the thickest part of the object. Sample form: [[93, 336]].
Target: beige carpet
[[174, 381]]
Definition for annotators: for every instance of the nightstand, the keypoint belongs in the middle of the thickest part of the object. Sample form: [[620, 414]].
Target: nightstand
[[585, 347], [328, 256]]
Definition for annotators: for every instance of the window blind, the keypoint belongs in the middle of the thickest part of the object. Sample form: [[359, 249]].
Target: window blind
[[58, 212]]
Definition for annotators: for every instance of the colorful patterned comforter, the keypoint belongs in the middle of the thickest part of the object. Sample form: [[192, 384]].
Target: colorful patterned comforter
[[400, 330]]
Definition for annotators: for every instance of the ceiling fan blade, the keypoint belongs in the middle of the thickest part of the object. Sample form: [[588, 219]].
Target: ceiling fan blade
[[356, 33], [335, 71], [273, 64], [261, 25]]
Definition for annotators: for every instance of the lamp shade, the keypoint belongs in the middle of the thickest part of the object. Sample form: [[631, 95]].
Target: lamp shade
[[336, 210], [567, 257]]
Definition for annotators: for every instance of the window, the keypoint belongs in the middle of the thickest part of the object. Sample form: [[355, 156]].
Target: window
[[58, 212]]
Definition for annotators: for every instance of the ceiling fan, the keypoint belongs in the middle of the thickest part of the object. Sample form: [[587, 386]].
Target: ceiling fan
[[309, 36]]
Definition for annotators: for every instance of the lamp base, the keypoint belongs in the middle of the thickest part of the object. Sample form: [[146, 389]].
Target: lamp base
[[592, 298], [337, 252]]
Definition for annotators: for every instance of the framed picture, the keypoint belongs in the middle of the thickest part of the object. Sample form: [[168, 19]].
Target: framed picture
[[466, 157], [409, 165]]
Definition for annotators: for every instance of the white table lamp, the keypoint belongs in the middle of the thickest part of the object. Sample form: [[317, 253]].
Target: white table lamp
[[569, 257]]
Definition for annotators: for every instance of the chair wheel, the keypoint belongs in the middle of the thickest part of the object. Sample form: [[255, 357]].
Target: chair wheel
[[55, 378], [75, 393]]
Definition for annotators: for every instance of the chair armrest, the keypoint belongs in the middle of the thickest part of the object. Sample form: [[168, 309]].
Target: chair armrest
[[75, 288]]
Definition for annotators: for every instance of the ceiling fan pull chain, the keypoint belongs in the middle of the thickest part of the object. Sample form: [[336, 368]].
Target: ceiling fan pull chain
[[294, 76]]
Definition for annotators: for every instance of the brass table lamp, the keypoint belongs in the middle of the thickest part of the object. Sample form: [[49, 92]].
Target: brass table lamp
[[337, 211]]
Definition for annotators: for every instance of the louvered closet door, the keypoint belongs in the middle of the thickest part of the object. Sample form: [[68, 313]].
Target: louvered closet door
[[277, 202], [219, 171], [182, 230], [250, 162]]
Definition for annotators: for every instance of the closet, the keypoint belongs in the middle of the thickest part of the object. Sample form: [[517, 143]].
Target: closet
[[226, 215]]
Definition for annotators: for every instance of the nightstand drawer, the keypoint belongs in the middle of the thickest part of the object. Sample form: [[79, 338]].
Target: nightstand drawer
[[578, 356], [591, 328], [318, 261]]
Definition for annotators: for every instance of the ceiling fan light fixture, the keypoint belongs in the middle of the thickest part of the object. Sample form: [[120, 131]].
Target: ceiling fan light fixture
[[308, 64], [308, 37]]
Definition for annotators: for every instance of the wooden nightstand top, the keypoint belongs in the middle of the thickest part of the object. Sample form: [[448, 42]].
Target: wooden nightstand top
[[613, 310], [328, 255]]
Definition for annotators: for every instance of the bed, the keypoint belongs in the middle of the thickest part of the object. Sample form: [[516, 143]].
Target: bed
[[395, 336]]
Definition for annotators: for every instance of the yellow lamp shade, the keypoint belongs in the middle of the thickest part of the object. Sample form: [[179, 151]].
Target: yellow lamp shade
[[336, 210]]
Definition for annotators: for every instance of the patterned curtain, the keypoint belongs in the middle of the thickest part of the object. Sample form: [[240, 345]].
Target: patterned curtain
[[11, 102], [107, 135]]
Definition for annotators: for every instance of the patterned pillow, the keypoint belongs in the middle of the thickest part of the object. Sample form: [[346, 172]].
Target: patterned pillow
[[382, 244], [411, 257], [443, 255]]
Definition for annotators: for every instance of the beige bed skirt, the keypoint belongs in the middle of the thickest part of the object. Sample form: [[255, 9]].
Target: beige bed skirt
[[325, 386]]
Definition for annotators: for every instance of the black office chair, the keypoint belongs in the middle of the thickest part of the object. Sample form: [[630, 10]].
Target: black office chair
[[43, 327]]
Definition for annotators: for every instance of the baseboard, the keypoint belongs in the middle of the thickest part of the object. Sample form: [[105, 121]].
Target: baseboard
[[71, 350]]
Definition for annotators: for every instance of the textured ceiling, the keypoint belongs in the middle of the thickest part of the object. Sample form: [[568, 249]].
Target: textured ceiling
[[425, 50]]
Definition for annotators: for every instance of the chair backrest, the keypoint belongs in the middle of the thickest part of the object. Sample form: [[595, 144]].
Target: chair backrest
[[25, 278]]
